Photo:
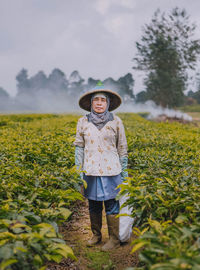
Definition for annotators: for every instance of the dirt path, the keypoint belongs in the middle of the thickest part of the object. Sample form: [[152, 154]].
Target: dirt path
[[77, 232]]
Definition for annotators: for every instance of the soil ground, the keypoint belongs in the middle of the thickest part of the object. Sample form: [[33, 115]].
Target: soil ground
[[76, 233]]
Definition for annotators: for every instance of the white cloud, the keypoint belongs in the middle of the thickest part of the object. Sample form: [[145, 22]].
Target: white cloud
[[128, 3], [114, 25], [103, 6], [120, 26]]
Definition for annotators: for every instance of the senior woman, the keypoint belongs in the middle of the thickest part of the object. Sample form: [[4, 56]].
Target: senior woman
[[101, 152]]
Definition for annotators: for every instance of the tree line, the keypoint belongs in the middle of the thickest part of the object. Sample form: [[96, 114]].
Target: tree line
[[57, 92]]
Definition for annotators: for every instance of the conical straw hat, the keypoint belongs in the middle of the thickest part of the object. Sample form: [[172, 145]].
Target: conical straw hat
[[85, 99]]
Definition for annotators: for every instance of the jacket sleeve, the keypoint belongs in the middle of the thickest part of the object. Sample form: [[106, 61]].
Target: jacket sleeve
[[79, 146], [79, 140], [122, 148], [121, 140], [79, 157]]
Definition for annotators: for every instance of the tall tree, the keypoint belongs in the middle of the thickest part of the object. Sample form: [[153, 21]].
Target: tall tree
[[166, 52], [5, 100], [141, 97], [3, 93], [125, 85], [75, 83], [57, 81], [37, 82], [92, 83], [195, 95], [22, 81]]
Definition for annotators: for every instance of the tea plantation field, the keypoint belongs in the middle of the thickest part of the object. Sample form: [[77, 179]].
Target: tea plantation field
[[164, 189], [39, 185]]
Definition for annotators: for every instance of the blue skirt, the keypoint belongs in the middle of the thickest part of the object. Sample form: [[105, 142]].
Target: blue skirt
[[102, 188]]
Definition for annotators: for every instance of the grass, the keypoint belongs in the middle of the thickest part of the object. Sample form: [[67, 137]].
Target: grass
[[190, 108], [99, 260], [193, 111], [194, 114]]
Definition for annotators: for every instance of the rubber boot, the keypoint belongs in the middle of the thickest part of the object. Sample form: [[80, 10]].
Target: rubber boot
[[113, 231], [96, 224]]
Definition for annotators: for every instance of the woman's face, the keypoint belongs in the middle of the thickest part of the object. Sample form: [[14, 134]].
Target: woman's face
[[99, 104]]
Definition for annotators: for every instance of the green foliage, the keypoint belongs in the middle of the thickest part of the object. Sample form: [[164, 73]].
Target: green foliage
[[99, 260], [164, 191], [195, 95], [142, 97], [125, 86], [143, 114], [166, 51], [38, 184], [191, 108], [27, 247], [170, 246]]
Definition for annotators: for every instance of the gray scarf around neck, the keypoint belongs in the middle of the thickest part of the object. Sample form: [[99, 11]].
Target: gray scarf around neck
[[100, 119]]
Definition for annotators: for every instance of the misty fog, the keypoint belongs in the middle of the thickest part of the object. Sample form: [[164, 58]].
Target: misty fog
[[57, 94]]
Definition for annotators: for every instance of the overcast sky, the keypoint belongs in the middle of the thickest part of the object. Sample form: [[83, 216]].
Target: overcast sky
[[95, 37]]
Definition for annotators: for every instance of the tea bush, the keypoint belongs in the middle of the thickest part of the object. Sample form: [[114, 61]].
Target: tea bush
[[164, 191], [38, 184]]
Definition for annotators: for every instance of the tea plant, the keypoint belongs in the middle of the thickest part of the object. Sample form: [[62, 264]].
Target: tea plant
[[38, 183], [164, 190]]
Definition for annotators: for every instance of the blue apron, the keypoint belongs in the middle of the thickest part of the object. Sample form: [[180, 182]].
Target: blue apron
[[102, 188]]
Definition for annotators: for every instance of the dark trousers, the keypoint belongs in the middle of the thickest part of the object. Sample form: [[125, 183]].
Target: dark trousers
[[111, 207]]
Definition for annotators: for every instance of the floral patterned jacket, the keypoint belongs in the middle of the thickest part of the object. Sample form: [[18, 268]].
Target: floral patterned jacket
[[102, 148]]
